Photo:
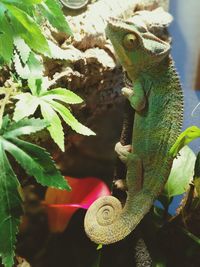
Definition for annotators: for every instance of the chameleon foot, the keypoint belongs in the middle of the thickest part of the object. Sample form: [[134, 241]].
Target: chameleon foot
[[121, 184], [122, 151], [127, 92]]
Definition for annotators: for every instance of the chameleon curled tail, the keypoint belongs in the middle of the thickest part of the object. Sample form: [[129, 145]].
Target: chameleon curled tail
[[106, 222]]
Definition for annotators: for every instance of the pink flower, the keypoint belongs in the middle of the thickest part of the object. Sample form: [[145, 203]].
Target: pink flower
[[61, 204]]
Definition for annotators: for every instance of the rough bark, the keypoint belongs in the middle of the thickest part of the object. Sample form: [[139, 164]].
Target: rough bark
[[91, 70]]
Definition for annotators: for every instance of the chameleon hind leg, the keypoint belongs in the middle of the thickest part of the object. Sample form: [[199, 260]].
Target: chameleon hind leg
[[122, 152]]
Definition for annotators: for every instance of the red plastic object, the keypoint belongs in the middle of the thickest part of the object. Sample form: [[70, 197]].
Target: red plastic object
[[61, 204]]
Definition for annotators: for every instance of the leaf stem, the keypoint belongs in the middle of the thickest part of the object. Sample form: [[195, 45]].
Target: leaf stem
[[4, 102]]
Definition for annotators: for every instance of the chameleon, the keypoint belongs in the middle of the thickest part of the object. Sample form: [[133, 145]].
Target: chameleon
[[157, 98]]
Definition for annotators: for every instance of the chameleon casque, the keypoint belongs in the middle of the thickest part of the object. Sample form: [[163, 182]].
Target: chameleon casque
[[156, 97]]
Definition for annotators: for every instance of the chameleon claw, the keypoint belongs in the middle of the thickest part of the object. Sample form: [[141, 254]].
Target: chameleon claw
[[127, 92]]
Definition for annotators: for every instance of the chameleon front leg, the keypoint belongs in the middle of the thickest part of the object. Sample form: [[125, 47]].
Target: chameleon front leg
[[122, 151], [133, 182], [136, 96]]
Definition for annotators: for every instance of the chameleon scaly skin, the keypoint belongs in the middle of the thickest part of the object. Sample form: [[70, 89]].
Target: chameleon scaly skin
[[158, 103]]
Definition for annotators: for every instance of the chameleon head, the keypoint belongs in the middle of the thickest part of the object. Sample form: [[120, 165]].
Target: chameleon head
[[136, 48]]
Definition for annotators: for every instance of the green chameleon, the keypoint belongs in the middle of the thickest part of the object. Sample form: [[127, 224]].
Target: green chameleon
[[157, 99]]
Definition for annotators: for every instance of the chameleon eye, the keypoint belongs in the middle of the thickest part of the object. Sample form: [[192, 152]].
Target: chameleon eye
[[130, 41]]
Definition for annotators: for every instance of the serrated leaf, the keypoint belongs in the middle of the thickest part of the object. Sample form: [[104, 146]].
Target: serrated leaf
[[26, 106], [22, 71], [71, 120], [28, 29], [24, 126], [52, 9], [59, 53], [63, 95], [10, 210], [55, 129], [33, 68], [44, 99], [6, 49], [181, 173], [37, 162], [23, 49]]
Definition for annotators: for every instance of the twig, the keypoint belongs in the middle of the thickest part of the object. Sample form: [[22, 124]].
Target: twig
[[4, 102]]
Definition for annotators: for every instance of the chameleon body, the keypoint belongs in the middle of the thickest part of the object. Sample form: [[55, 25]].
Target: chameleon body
[[157, 99]]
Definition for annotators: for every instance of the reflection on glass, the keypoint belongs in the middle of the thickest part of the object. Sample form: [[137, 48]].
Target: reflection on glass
[[74, 4]]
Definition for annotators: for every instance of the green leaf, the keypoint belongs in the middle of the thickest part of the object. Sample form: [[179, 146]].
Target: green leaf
[[181, 173], [100, 246], [191, 236], [52, 9], [28, 29], [70, 119], [48, 107], [63, 95], [190, 134], [10, 210], [35, 86], [37, 162], [26, 106], [159, 263], [197, 166], [33, 68], [197, 175], [63, 54], [22, 2], [6, 40], [55, 129], [5, 123], [23, 49], [25, 126]]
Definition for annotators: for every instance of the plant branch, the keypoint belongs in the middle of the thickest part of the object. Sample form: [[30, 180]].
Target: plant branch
[[10, 87]]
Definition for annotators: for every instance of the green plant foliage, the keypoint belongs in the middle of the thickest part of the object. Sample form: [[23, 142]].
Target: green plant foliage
[[51, 10], [10, 209], [32, 68], [41, 97], [36, 161], [20, 27], [185, 138], [181, 173], [197, 175]]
